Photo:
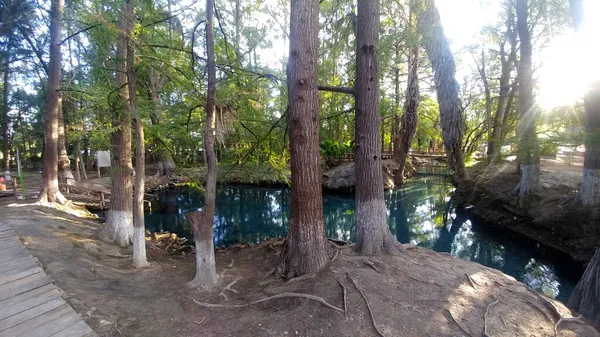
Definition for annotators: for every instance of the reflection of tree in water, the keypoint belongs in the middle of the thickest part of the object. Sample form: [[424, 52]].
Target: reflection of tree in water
[[419, 213]]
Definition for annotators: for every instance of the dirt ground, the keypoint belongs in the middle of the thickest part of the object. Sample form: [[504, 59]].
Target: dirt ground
[[420, 293], [551, 218]]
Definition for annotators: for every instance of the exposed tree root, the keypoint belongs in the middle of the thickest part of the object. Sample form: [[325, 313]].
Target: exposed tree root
[[368, 305], [578, 319], [228, 287], [372, 265], [459, 325], [503, 322], [471, 281], [282, 295], [487, 310], [345, 292]]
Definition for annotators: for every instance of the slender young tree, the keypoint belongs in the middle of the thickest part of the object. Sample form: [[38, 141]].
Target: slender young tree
[[139, 231], [529, 152], [507, 62], [372, 233], [65, 175], [202, 222], [444, 69], [8, 35], [119, 220], [49, 191], [304, 250], [410, 118]]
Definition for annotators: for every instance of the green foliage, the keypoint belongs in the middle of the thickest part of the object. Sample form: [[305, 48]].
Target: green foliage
[[333, 151]]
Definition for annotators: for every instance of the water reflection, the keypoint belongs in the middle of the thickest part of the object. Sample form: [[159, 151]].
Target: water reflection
[[420, 213]]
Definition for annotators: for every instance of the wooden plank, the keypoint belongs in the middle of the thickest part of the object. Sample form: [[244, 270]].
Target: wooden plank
[[26, 296], [23, 285], [27, 304], [13, 255], [19, 273], [11, 242], [30, 313], [10, 239], [55, 326], [24, 328], [78, 330], [5, 248], [7, 234], [17, 263]]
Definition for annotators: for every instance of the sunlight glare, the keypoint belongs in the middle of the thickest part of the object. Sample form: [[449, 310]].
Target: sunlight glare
[[570, 64]]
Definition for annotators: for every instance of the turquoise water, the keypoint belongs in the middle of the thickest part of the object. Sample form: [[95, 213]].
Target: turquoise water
[[420, 213]]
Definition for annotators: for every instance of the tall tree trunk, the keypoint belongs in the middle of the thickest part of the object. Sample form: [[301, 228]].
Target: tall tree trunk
[[202, 222], [6, 91], [304, 250], [164, 160], [6, 85], [440, 56], [488, 101], [529, 152], [410, 118], [507, 65], [78, 160], [588, 192], [119, 220], [372, 233], [396, 121], [49, 191], [586, 295], [65, 175], [139, 230], [238, 29]]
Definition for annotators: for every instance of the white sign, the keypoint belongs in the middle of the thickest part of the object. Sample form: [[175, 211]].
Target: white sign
[[103, 158]]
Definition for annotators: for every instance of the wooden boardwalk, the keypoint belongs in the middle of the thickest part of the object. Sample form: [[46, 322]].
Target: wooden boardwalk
[[30, 304]]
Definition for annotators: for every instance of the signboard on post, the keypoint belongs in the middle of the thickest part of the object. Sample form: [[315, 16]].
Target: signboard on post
[[102, 160]]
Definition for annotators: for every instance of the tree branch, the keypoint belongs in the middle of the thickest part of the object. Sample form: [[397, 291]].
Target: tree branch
[[342, 90]]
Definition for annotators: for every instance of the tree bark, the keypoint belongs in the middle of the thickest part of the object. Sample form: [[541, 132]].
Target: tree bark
[[440, 56], [6, 13], [586, 295], [6, 91], [139, 230], [65, 175], [202, 222], [529, 152], [372, 233], [410, 118], [396, 121], [49, 191], [507, 65], [304, 250], [119, 221], [588, 192]]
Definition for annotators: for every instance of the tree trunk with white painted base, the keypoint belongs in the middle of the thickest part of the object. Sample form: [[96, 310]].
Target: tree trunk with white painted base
[[444, 69], [305, 247], [202, 222], [372, 233], [139, 230], [529, 151], [119, 219], [585, 298], [49, 191]]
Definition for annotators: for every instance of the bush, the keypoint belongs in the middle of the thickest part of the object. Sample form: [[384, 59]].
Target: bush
[[549, 148]]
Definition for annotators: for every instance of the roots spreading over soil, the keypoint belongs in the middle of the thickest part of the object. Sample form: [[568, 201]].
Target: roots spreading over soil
[[417, 293]]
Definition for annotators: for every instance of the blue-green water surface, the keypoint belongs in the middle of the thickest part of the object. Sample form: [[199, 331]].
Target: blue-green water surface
[[420, 213]]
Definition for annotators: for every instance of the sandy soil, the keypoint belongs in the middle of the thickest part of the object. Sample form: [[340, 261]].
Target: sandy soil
[[420, 293]]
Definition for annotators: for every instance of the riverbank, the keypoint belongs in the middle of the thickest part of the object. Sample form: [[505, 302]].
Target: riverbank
[[420, 293], [552, 219]]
